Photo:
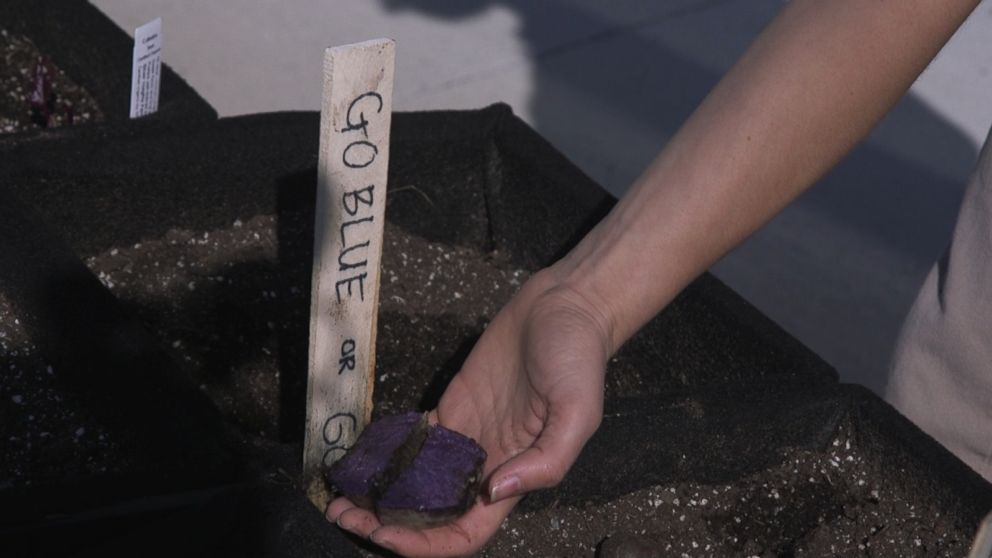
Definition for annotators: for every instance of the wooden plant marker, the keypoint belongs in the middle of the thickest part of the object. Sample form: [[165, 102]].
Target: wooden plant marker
[[350, 212]]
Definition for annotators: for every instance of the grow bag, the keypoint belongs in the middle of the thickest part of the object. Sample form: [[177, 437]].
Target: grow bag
[[711, 401], [154, 292]]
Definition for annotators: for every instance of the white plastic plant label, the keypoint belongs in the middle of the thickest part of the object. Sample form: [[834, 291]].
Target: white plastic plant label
[[146, 68]]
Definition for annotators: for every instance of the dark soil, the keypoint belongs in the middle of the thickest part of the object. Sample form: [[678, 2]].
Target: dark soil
[[68, 103], [232, 318], [233, 321], [811, 504]]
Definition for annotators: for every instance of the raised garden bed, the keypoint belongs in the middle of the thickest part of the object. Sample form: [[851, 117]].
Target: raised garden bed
[[721, 430], [154, 291]]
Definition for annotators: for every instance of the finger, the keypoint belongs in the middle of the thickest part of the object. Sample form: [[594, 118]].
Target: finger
[[545, 463], [336, 507], [358, 521], [463, 537]]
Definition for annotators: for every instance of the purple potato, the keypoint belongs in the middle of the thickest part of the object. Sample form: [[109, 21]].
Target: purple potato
[[385, 447], [438, 486]]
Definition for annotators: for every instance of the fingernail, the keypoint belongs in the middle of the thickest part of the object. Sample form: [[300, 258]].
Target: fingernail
[[504, 488]]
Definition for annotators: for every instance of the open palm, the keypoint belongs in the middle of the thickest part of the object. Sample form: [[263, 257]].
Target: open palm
[[531, 393]]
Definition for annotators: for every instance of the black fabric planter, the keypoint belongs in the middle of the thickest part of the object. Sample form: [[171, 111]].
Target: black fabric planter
[[715, 393], [96, 54], [152, 401]]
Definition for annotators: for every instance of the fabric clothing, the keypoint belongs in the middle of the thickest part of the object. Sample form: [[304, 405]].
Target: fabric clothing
[[941, 375]]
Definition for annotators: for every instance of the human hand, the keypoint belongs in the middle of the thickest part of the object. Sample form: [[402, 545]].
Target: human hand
[[531, 393]]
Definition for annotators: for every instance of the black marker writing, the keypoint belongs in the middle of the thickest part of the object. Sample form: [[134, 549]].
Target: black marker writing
[[362, 123], [334, 430], [347, 360]]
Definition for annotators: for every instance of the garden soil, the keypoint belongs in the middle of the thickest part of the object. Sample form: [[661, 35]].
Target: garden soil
[[162, 267]]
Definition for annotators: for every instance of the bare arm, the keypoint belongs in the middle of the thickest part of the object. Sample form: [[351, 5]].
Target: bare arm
[[812, 85]]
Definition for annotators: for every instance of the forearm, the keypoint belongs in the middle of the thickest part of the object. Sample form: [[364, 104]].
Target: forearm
[[811, 86]]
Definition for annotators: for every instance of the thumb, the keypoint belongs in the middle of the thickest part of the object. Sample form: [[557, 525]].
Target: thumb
[[545, 463]]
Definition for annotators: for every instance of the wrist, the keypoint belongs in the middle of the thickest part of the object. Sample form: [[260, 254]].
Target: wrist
[[563, 280], [550, 288], [625, 271]]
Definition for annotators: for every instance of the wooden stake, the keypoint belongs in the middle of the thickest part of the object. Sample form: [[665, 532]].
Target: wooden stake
[[350, 213]]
